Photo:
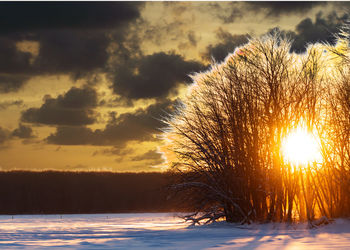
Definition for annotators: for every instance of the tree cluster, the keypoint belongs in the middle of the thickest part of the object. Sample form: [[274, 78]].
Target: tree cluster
[[226, 138]]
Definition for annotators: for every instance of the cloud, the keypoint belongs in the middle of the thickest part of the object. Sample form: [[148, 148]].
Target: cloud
[[75, 52], [152, 76], [138, 126], [227, 44], [70, 38], [74, 108], [65, 135], [226, 12], [23, 17], [230, 12], [4, 135], [323, 29], [11, 83], [152, 157], [279, 8], [12, 59], [23, 132], [118, 101], [116, 150], [14, 66], [7, 104], [192, 38], [191, 41]]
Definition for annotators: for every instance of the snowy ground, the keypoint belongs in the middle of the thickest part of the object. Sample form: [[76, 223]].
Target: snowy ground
[[160, 231]]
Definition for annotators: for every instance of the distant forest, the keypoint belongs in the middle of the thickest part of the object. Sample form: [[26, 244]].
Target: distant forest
[[51, 192]]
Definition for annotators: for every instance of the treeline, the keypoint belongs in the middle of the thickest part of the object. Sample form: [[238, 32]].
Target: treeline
[[51, 192]]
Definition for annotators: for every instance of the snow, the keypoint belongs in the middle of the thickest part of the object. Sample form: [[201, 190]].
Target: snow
[[161, 231]]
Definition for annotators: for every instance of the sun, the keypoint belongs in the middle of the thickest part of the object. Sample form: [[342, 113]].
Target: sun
[[301, 147]]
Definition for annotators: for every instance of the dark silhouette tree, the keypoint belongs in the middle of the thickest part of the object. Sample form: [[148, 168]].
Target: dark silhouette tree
[[226, 138]]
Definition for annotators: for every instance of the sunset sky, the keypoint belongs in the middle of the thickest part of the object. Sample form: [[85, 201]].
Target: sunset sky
[[83, 86]]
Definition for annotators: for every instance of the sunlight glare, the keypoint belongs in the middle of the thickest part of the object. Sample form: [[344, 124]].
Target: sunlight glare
[[301, 147]]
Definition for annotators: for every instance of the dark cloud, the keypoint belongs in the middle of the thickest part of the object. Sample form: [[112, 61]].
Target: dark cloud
[[4, 135], [7, 104], [151, 156], [65, 135], [152, 76], [227, 44], [116, 150], [278, 8], [71, 37], [23, 132], [230, 12], [341, 5], [13, 60], [227, 13], [14, 65], [10, 83], [75, 52], [323, 29], [116, 102], [25, 16], [74, 108], [138, 126]]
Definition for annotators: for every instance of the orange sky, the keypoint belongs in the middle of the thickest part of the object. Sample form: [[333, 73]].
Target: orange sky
[[83, 86]]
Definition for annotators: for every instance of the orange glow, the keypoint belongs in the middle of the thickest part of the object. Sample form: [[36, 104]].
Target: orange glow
[[301, 147]]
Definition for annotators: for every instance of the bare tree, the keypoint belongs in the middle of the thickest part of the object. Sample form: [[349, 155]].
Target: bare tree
[[227, 136]]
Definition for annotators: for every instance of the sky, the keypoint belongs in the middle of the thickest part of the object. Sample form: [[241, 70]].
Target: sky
[[85, 86]]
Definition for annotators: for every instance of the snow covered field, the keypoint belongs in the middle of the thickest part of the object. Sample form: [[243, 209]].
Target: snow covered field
[[160, 231]]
